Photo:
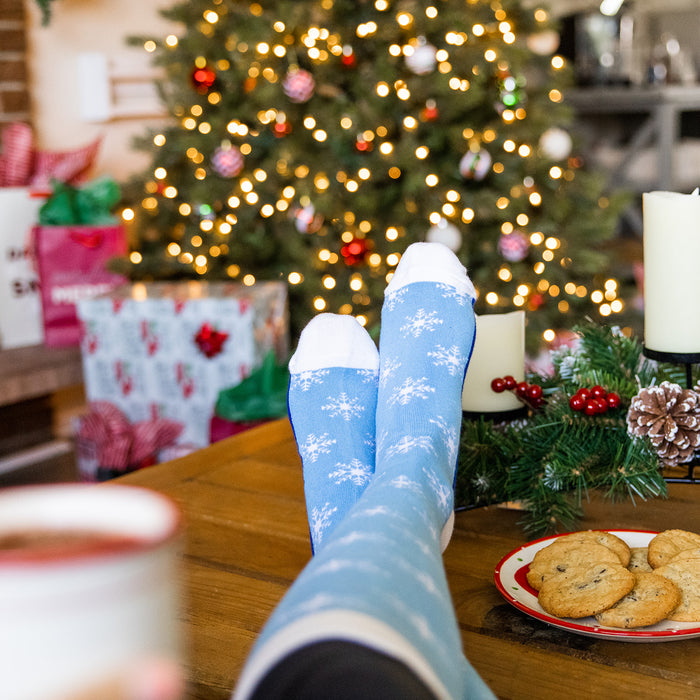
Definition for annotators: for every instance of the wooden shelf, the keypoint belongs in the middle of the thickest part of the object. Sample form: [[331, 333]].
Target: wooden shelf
[[31, 372]]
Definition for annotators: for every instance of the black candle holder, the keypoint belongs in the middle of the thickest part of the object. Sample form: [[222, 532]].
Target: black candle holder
[[497, 416], [687, 359]]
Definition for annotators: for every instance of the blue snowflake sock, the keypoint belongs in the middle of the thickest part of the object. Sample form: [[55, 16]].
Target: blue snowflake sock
[[428, 307], [332, 404], [379, 580]]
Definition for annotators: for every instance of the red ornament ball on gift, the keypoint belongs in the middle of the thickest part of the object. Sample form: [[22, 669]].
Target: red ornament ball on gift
[[227, 161], [513, 246], [355, 252], [475, 165], [299, 86], [203, 79]]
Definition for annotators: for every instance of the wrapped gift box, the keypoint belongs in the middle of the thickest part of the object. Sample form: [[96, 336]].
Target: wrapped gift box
[[166, 349]]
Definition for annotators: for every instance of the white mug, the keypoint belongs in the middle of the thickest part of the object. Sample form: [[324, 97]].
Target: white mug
[[89, 586]]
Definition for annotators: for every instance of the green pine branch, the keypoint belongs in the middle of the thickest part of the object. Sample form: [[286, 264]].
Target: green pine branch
[[553, 460]]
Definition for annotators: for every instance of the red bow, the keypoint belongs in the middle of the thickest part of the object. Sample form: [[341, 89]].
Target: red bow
[[209, 340], [23, 165]]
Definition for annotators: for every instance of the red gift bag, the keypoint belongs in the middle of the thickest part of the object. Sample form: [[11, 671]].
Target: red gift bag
[[71, 261]]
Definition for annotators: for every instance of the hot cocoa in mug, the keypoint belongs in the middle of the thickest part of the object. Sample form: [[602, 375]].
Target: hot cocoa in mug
[[89, 586]]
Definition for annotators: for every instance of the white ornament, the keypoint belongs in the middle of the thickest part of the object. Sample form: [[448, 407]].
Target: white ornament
[[422, 59], [446, 233], [543, 43], [556, 143]]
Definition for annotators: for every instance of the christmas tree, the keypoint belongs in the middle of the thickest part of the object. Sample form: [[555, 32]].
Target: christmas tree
[[314, 141]]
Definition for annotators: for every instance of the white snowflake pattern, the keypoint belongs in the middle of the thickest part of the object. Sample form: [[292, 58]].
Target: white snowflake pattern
[[421, 321], [427, 581], [352, 537], [388, 369], [306, 379], [450, 437], [344, 406], [335, 565], [450, 357], [315, 445], [321, 519], [423, 627], [442, 493], [367, 375], [393, 299], [411, 389], [408, 443], [403, 482], [355, 472], [461, 297], [369, 512]]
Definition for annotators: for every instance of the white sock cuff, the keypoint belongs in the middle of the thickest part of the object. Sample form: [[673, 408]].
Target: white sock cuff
[[333, 340], [334, 625], [431, 262]]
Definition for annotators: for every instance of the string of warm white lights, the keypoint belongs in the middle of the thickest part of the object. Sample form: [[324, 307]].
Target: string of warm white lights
[[344, 131]]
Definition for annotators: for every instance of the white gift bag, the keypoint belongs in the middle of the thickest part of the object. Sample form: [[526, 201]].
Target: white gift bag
[[20, 301]]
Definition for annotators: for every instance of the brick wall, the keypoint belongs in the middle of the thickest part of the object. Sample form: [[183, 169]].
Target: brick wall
[[14, 81]]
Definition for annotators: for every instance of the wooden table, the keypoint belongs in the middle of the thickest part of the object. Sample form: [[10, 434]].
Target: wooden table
[[247, 540]]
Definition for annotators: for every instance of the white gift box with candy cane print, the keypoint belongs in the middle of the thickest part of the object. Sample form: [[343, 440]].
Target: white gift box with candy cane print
[[166, 349]]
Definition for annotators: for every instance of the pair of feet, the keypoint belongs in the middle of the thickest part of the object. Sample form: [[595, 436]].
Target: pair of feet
[[355, 410], [378, 434]]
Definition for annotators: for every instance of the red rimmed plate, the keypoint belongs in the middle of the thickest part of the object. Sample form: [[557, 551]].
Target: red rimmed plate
[[511, 580]]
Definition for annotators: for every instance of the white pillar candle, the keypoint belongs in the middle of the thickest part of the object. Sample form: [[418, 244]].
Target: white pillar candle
[[499, 350], [671, 272]]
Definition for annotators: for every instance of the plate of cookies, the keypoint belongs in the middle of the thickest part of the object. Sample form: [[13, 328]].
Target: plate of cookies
[[626, 585]]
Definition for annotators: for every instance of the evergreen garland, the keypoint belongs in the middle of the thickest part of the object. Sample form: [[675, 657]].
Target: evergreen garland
[[551, 460]]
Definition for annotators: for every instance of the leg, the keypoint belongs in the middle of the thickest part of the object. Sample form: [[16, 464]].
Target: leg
[[379, 581], [334, 369]]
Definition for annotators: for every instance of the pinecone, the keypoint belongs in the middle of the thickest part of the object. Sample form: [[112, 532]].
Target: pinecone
[[670, 417]]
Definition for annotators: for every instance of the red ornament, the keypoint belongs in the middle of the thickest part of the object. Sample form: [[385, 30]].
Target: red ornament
[[591, 407], [227, 161], [299, 85], [203, 79], [363, 146], [530, 394], [534, 392], [348, 57], [498, 385], [594, 400], [209, 340], [577, 402], [613, 400], [281, 129], [430, 112], [355, 252], [521, 389]]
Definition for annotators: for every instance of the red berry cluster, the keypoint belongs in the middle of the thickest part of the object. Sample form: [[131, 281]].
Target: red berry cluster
[[530, 394], [594, 401]]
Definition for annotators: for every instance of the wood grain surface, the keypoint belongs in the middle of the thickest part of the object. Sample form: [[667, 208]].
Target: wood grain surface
[[247, 539]]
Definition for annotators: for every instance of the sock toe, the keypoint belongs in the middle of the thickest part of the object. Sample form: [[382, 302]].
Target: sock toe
[[334, 340], [431, 262]]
